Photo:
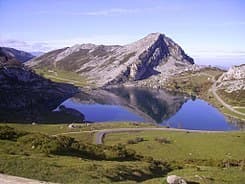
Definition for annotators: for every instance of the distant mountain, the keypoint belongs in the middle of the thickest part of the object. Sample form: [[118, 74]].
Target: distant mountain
[[26, 96], [37, 53], [154, 55], [19, 55]]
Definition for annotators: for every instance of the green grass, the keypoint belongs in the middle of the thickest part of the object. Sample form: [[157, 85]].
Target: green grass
[[52, 129], [240, 109], [63, 76], [184, 145], [192, 83], [64, 169], [18, 157], [88, 137], [206, 175], [192, 151], [236, 98], [199, 154], [231, 113]]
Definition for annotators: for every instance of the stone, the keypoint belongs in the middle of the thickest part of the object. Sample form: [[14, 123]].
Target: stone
[[71, 126], [173, 179]]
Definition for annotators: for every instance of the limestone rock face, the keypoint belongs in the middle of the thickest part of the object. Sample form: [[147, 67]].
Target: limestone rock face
[[233, 79], [153, 55]]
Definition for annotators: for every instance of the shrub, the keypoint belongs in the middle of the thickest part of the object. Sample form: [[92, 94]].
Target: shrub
[[136, 140], [63, 145], [48, 144], [39, 142], [10, 133], [162, 140]]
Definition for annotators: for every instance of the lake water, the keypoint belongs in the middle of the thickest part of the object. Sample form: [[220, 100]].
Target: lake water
[[155, 106]]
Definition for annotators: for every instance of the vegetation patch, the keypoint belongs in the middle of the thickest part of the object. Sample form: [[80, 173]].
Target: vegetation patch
[[236, 98], [60, 75], [162, 140], [197, 157], [54, 156], [136, 140], [10, 133]]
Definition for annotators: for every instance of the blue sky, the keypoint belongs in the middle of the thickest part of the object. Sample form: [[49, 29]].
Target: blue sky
[[201, 27]]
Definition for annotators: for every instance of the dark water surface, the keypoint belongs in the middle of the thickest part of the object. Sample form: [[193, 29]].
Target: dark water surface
[[144, 105]]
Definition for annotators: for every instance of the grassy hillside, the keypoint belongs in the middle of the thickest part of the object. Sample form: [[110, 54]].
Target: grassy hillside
[[150, 155], [63, 76]]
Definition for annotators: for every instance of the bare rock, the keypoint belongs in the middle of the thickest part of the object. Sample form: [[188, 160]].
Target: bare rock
[[233, 79], [173, 179], [154, 55]]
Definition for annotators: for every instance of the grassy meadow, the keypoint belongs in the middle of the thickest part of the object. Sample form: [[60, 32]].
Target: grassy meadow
[[147, 157]]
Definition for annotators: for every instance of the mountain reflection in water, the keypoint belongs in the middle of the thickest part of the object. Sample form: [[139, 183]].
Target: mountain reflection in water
[[155, 106]]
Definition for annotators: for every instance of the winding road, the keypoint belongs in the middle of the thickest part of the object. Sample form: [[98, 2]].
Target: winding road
[[100, 134], [213, 89]]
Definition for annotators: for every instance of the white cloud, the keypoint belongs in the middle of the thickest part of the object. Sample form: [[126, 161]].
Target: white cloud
[[48, 45], [25, 46]]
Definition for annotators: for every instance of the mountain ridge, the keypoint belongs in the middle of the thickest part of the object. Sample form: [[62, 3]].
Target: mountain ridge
[[21, 90], [109, 65], [19, 55]]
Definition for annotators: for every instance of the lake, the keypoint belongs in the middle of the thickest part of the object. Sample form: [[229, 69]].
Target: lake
[[154, 106]]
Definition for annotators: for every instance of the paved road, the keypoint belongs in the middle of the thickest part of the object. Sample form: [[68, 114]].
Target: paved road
[[213, 89], [99, 136], [7, 179]]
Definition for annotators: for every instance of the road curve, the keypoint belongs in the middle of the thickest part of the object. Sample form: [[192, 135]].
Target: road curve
[[213, 89], [100, 134]]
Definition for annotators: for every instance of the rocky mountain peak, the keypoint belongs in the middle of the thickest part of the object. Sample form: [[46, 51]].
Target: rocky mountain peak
[[144, 43], [153, 55]]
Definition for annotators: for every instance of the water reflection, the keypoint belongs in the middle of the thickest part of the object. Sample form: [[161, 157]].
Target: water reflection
[[153, 105], [156, 106]]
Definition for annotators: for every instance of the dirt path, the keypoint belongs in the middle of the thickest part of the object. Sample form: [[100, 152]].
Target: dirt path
[[99, 136], [7, 179]]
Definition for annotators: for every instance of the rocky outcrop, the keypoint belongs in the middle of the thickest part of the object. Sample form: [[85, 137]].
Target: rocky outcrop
[[154, 55], [26, 96], [173, 179], [233, 79], [17, 54]]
